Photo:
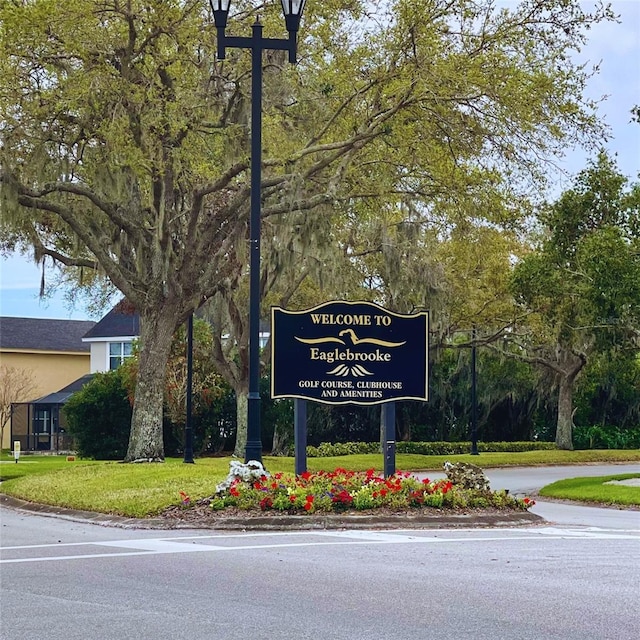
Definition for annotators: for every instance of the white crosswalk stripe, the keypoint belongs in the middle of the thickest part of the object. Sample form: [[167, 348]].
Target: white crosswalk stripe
[[239, 542]]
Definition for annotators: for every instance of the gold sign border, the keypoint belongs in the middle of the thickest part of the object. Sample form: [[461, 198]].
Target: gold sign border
[[417, 314]]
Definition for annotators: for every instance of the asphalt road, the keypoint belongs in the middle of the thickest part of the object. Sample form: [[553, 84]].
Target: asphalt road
[[65, 580], [529, 480]]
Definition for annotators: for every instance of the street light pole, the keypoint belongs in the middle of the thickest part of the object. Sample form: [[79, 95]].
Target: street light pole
[[474, 397], [292, 11], [188, 425]]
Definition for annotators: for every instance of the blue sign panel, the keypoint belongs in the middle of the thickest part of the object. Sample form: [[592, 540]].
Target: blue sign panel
[[349, 352]]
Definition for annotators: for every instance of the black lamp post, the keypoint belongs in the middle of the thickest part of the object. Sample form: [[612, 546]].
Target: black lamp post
[[188, 425], [292, 10], [474, 397]]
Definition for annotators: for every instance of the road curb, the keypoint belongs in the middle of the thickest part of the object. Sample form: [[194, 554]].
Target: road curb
[[286, 522]]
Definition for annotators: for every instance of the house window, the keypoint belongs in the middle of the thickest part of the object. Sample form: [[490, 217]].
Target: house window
[[118, 351]]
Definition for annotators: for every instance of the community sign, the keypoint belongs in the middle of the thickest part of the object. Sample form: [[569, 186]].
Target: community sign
[[349, 352]]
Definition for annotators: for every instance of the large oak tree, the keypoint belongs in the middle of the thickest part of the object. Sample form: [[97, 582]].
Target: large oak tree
[[125, 145], [581, 284]]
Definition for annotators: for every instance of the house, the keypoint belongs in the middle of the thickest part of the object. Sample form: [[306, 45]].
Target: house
[[39, 424], [111, 339], [51, 351]]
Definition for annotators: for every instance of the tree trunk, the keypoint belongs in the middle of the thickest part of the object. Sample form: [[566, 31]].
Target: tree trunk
[[156, 332], [404, 426], [280, 441], [564, 427], [242, 400]]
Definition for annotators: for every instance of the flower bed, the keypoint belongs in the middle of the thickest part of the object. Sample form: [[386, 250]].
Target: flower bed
[[342, 490]]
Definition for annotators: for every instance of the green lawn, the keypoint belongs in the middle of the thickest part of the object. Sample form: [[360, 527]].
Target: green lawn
[[145, 489], [35, 464], [595, 490]]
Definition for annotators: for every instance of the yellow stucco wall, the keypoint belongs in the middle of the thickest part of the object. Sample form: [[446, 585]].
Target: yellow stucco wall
[[51, 372]]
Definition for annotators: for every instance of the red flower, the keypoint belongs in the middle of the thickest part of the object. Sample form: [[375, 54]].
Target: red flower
[[305, 475], [443, 485], [343, 497], [308, 506], [234, 492]]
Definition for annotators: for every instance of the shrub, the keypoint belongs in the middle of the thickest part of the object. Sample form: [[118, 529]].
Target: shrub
[[606, 437], [99, 417], [327, 449]]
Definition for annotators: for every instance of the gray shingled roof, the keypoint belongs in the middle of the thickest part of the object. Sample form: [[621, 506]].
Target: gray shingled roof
[[44, 334], [116, 324]]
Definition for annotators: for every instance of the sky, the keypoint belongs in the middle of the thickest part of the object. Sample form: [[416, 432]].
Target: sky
[[616, 46]]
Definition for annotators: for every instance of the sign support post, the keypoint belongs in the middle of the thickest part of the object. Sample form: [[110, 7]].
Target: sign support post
[[389, 422], [300, 435]]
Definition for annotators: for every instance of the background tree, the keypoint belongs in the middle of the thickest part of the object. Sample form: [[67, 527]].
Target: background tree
[[581, 285], [207, 385], [608, 392], [16, 385], [124, 144]]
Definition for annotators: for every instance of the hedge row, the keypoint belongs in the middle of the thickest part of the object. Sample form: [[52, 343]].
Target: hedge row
[[326, 449]]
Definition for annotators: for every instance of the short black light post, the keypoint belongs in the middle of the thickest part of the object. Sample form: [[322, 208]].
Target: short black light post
[[188, 425], [292, 10]]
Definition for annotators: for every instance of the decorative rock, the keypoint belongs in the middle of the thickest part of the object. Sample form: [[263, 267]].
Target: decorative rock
[[249, 472], [467, 475]]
